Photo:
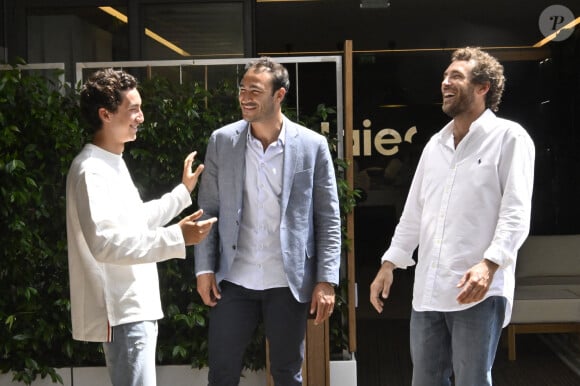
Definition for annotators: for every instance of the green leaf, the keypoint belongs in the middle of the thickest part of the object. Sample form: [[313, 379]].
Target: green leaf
[[14, 165], [10, 319]]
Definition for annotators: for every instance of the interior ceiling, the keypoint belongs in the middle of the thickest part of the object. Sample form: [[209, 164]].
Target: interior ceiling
[[323, 26], [204, 28], [405, 24]]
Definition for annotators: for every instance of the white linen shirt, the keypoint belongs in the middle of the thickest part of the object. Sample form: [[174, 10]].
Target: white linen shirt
[[114, 240], [258, 264], [466, 204]]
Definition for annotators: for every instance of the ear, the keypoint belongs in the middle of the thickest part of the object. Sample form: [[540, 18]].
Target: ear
[[104, 114], [483, 88], [280, 94]]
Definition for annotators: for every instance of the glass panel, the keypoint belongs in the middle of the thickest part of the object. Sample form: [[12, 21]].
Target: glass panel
[[75, 34], [194, 30], [3, 44]]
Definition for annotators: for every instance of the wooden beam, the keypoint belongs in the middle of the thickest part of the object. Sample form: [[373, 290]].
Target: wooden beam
[[348, 156], [536, 328]]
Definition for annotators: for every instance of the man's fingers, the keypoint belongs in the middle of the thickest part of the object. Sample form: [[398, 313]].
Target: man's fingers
[[216, 292], [189, 160], [198, 170], [195, 215], [377, 304], [471, 292], [462, 281], [322, 313], [379, 291], [208, 289], [207, 222]]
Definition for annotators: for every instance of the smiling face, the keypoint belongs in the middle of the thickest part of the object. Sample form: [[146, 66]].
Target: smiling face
[[128, 117], [120, 127], [460, 95], [258, 101]]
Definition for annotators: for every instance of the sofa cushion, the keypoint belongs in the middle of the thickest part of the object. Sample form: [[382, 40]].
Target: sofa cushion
[[546, 304], [548, 280], [554, 255]]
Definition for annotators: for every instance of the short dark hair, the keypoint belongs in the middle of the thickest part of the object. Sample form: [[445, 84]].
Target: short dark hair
[[280, 78], [486, 69], [104, 89]]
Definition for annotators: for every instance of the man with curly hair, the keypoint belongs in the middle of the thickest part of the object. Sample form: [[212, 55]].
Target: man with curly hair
[[115, 239], [468, 212]]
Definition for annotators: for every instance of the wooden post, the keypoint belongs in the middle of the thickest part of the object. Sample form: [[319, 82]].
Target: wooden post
[[316, 366], [348, 156]]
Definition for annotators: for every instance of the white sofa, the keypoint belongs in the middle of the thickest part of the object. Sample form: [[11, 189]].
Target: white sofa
[[547, 294]]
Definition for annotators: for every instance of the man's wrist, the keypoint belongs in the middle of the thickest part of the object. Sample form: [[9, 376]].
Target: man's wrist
[[388, 265], [491, 265]]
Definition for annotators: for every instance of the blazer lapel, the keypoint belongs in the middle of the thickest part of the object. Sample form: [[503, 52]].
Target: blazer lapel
[[238, 161], [291, 155]]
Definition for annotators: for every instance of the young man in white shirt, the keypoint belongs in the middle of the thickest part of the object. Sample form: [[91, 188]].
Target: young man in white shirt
[[468, 212], [115, 239]]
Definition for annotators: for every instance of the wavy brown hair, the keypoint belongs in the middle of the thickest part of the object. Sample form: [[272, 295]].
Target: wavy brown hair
[[486, 69], [104, 89]]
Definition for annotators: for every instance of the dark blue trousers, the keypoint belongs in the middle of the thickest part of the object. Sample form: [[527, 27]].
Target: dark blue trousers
[[235, 318]]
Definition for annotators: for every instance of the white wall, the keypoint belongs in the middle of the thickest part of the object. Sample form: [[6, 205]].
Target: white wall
[[342, 373], [166, 375]]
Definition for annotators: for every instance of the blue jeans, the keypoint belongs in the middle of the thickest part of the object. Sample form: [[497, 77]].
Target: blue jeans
[[130, 355], [461, 343]]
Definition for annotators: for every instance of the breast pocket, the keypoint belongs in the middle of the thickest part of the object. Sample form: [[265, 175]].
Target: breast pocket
[[300, 200], [302, 185]]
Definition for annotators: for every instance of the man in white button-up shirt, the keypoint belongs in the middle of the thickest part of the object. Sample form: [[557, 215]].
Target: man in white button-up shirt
[[115, 239], [275, 253], [468, 212]]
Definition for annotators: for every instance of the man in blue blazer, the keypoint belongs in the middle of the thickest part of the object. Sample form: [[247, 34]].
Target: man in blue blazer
[[275, 254]]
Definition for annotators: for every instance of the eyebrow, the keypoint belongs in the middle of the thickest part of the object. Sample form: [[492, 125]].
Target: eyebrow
[[252, 86], [453, 72]]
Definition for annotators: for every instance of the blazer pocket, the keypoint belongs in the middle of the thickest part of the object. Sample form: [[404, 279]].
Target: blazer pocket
[[302, 186]]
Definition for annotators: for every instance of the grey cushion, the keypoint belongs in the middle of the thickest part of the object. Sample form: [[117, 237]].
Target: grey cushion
[[555, 255], [548, 280]]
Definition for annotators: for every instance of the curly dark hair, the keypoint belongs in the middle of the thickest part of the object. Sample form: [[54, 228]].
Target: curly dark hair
[[280, 77], [104, 89], [486, 69]]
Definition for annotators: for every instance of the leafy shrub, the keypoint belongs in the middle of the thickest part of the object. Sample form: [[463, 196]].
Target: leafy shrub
[[39, 137]]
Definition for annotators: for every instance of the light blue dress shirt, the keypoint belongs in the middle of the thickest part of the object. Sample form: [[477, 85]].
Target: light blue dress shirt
[[258, 264]]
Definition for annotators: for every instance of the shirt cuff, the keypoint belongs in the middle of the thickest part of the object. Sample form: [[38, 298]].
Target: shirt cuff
[[398, 257], [497, 255], [183, 194]]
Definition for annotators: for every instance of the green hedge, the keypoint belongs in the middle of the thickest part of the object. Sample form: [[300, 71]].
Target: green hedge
[[40, 134]]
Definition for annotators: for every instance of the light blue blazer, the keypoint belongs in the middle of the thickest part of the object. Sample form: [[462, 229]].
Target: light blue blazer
[[310, 231]]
